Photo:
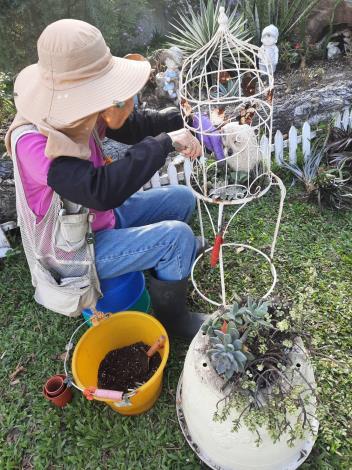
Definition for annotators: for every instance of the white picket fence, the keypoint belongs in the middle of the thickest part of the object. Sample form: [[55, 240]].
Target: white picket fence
[[180, 172]]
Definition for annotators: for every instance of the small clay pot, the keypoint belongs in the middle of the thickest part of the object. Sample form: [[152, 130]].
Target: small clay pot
[[56, 390], [54, 386]]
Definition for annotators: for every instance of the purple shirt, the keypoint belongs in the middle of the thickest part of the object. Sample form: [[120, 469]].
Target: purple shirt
[[34, 165]]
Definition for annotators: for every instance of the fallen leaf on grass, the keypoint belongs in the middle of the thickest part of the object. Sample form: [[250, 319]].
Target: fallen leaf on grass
[[13, 435], [17, 371], [61, 357], [15, 382]]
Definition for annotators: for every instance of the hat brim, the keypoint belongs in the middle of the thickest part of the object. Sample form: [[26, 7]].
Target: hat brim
[[35, 102]]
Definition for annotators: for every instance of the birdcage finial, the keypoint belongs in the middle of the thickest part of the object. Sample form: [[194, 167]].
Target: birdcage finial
[[223, 19]]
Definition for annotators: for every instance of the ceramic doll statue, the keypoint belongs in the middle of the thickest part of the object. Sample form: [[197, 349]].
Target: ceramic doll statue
[[171, 76], [333, 50], [167, 82], [270, 35]]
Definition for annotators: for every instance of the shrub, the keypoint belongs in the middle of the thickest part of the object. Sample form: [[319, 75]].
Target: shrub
[[7, 107]]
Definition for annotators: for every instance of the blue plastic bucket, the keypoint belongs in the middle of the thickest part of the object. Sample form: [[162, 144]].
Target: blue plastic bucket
[[120, 293]]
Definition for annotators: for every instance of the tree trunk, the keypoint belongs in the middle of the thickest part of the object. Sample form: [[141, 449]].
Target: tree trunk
[[7, 192]]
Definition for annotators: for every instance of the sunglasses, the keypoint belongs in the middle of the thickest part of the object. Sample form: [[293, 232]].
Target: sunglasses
[[119, 104]]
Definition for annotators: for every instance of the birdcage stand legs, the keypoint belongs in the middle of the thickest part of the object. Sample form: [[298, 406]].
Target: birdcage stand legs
[[221, 228]]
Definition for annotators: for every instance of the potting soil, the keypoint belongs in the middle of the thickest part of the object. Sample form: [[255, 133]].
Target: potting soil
[[126, 368]]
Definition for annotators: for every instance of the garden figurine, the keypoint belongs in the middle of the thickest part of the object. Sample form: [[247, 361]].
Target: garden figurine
[[168, 80], [80, 219], [269, 52], [240, 146], [333, 50], [171, 77]]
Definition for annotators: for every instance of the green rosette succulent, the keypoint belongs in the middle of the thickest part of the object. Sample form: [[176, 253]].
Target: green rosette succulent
[[226, 354]]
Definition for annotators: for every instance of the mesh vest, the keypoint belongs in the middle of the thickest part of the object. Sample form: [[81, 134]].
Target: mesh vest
[[59, 249]]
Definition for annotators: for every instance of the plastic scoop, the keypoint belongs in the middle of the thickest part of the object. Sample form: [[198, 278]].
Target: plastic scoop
[[158, 344], [120, 398]]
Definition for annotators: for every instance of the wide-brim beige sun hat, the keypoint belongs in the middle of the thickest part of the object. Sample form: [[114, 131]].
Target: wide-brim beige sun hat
[[76, 75]]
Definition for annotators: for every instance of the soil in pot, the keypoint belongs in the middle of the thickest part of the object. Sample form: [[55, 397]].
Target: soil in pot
[[123, 368]]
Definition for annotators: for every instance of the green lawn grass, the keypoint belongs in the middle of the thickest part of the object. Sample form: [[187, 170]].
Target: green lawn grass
[[314, 250]]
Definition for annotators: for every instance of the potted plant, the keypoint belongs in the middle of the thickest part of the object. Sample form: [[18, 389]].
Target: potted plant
[[246, 398]]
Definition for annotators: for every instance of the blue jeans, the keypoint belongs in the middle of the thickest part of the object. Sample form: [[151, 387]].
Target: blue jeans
[[151, 233]]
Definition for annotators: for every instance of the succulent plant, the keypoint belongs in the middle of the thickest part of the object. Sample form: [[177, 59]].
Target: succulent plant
[[251, 312], [340, 139], [226, 354], [211, 325]]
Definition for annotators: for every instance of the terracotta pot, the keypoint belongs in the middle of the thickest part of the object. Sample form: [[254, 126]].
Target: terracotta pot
[[54, 386], [56, 391]]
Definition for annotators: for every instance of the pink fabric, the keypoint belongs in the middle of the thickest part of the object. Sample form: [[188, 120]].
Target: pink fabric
[[34, 166]]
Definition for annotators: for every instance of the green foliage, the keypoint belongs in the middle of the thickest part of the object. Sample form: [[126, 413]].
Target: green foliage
[[118, 21], [334, 186], [21, 23], [286, 15], [326, 173], [193, 31], [7, 108], [289, 54]]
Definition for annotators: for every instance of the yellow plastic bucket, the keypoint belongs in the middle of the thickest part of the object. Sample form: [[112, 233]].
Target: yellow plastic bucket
[[115, 332]]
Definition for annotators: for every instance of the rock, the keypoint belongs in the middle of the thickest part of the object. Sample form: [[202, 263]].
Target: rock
[[316, 101], [320, 18]]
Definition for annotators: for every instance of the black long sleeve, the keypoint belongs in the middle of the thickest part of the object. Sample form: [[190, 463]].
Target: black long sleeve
[[109, 186], [146, 123]]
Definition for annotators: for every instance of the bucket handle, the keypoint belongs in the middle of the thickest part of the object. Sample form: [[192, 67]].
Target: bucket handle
[[121, 398]]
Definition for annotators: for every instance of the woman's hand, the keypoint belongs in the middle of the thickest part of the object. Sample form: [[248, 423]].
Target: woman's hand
[[185, 143]]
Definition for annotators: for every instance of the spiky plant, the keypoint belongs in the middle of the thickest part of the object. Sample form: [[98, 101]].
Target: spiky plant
[[328, 181], [340, 139], [195, 29], [342, 160], [285, 14], [308, 171], [334, 184], [227, 355]]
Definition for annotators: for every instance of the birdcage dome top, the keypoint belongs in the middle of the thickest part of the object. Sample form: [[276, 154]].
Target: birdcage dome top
[[226, 60]]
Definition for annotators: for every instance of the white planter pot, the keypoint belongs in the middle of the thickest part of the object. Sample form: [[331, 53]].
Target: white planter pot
[[198, 393]]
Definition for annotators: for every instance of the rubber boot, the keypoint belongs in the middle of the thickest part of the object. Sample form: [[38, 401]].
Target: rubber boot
[[169, 306], [203, 245]]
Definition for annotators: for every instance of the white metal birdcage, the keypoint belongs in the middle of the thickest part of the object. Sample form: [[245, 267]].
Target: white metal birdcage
[[226, 95]]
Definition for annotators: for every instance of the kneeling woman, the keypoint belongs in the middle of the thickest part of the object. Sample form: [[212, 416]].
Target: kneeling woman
[[77, 93]]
